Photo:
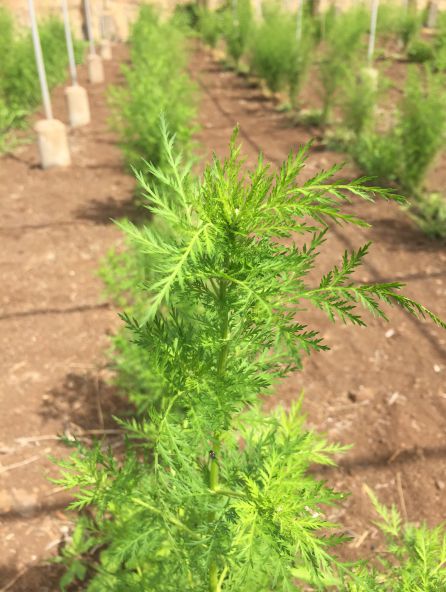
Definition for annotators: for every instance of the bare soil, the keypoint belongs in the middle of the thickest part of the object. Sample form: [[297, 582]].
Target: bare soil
[[382, 388], [54, 324]]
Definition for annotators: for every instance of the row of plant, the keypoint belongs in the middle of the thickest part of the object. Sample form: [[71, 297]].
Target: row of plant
[[212, 493], [397, 145], [155, 81], [19, 82]]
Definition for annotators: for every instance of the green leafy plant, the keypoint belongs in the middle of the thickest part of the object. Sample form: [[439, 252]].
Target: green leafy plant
[[378, 154], [405, 152], [420, 51], [421, 126], [408, 27], [359, 97], [440, 43], [414, 559], [156, 82], [343, 41], [237, 27], [429, 212], [210, 25], [277, 56], [212, 493]]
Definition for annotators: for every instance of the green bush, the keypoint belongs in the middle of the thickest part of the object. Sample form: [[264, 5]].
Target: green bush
[[359, 97], [343, 42], [237, 23], [378, 154], [277, 56], [421, 126], [156, 82], [440, 43], [213, 494], [429, 212], [420, 51], [210, 26], [414, 558], [405, 152]]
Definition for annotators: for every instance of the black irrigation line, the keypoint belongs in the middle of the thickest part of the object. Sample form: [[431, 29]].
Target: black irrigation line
[[419, 326], [54, 311]]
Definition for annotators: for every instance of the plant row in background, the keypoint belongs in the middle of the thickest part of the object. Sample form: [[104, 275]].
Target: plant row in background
[[156, 82], [397, 144], [19, 82]]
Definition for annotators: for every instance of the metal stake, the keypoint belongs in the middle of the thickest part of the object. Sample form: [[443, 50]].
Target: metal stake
[[300, 9], [374, 19], [69, 41], [89, 30], [39, 62]]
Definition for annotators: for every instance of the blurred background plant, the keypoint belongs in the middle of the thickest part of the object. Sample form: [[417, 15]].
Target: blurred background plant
[[19, 83], [156, 82]]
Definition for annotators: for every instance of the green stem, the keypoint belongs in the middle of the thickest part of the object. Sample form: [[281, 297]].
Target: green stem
[[214, 582]]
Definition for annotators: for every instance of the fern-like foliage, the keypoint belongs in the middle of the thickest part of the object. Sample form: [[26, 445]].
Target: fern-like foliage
[[414, 559], [212, 494]]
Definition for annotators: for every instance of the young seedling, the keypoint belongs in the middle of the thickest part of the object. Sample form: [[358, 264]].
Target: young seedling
[[213, 494]]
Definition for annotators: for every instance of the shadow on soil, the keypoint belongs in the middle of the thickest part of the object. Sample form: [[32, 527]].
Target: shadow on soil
[[35, 578], [386, 461], [403, 232], [104, 212], [85, 401]]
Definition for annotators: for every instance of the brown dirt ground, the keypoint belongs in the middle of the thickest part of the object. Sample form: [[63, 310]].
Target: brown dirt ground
[[54, 324], [382, 388]]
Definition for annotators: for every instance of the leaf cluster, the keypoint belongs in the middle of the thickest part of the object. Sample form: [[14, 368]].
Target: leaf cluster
[[212, 493], [405, 152], [276, 55]]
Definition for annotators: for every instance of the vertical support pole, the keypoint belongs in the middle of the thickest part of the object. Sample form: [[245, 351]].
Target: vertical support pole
[[258, 10], [234, 12], [432, 13], [89, 28], [39, 62], [69, 41], [299, 18], [374, 19]]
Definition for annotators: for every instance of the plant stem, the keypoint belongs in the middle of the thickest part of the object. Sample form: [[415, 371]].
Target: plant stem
[[214, 584]]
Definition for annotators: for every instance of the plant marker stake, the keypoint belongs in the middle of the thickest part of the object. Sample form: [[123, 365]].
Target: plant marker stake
[[39, 61], [89, 31], [69, 40], [374, 19], [76, 96], [300, 9], [95, 66], [51, 134]]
